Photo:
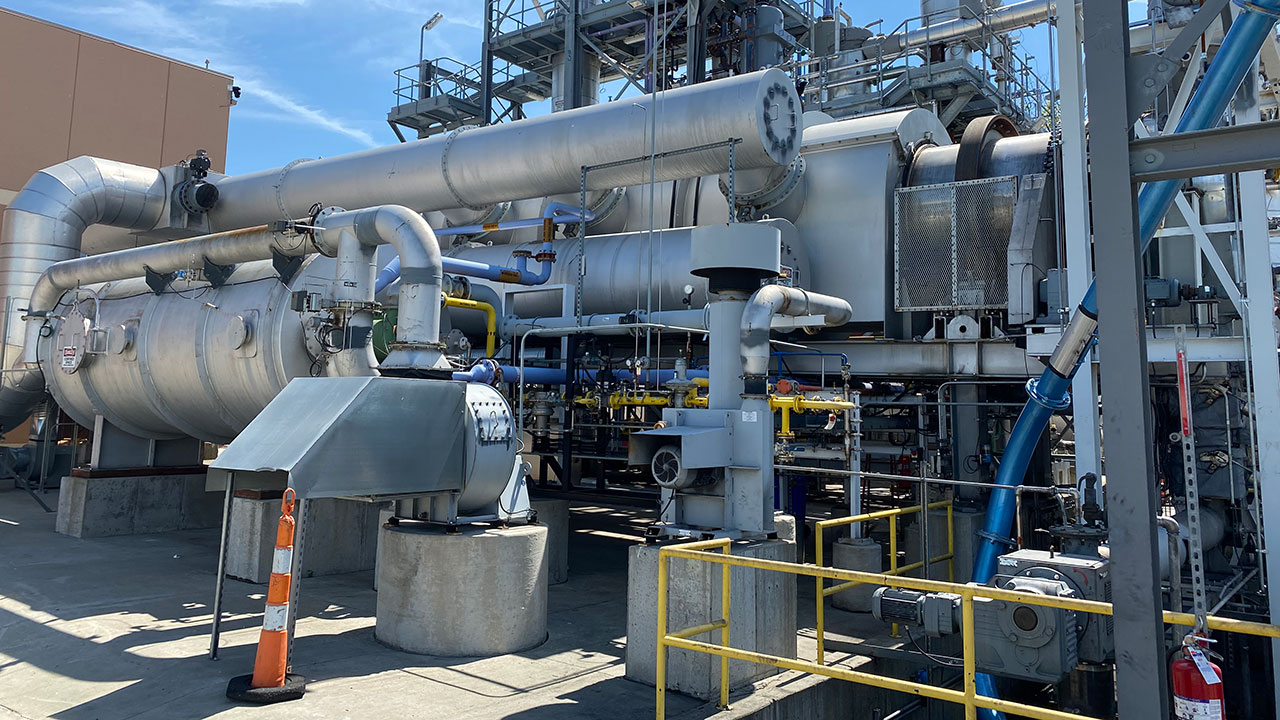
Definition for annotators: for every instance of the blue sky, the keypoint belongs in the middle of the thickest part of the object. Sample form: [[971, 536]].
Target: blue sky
[[317, 74]]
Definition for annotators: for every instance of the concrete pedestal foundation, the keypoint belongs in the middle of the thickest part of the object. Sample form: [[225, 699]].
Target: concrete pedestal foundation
[[762, 616], [554, 515], [479, 592], [968, 523], [861, 554], [135, 504], [340, 537]]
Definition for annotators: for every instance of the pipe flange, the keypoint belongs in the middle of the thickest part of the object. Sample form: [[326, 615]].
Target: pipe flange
[[969, 157], [910, 153], [495, 214], [279, 186], [1044, 401], [601, 211], [771, 195], [444, 168]]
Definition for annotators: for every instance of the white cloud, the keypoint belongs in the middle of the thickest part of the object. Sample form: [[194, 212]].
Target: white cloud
[[151, 25], [303, 114]]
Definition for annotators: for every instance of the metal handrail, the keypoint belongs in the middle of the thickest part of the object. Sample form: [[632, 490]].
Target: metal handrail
[[720, 551], [892, 515]]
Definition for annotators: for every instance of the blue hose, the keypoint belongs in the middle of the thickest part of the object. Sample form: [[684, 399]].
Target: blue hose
[[1204, 111]]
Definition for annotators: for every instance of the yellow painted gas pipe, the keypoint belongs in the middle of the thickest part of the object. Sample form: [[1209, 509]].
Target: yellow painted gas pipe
[[788, 404], [491, 326]]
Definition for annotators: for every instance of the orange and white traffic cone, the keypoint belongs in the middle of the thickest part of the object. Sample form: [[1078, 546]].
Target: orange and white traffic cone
[[271, 681]]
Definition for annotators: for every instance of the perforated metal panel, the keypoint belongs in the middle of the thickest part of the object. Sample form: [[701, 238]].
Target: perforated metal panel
[[950, 244]]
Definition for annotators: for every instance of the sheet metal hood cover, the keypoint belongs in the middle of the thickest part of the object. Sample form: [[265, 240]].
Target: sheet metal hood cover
[[344, 437]]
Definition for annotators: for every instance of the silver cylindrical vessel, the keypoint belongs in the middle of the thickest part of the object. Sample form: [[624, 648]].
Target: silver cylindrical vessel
[[195, 360], [616, 276], [1019, 155], [538, 156]]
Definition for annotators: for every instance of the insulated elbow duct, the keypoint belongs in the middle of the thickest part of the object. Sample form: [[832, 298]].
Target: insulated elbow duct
[[352, 237], [773, 300], [45, 224]]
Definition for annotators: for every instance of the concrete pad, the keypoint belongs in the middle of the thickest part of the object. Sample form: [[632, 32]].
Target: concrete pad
[[118, 629], [135, 505], [553, 513], [862, 554], [341, 537], [762, 616], [479, 592]]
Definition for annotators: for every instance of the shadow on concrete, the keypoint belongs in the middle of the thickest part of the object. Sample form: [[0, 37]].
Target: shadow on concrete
[[134, 612]]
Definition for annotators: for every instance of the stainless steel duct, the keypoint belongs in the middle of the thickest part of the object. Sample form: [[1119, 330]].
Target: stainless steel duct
[[43, 225], [1000, 20], [353, 237], [203, 363], [475, 168], [616, 277], [227, 248], [772, 300]]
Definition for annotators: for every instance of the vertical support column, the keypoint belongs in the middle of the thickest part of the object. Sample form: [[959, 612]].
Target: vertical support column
[[1264, 367], [486, 65], [572, 74], [1075, 219], [1139, 631]]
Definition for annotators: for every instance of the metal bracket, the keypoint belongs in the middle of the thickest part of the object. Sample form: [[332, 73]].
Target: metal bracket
[[217, 274], [286, 267], [157, 281], [1187, 440], [1147, 75]]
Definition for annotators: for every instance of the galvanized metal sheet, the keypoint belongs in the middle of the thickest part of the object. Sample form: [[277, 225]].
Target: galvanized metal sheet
[[950, 244], [342, 437]]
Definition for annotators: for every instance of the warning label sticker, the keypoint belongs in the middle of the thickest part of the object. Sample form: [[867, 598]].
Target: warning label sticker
[[68, 357], [1191, 709]]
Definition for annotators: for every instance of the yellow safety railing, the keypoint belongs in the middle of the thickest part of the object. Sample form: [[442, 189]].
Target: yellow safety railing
[[720, 552], [824, 592]]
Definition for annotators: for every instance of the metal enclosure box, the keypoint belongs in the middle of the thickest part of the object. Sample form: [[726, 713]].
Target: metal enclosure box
[[1090, 577]]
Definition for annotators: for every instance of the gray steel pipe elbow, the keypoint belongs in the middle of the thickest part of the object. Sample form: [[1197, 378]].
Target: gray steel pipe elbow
[[45, 224], [352, 236], [772, 300]]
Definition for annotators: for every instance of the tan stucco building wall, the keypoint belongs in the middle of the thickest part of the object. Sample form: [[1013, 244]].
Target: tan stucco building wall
[[64, 93]]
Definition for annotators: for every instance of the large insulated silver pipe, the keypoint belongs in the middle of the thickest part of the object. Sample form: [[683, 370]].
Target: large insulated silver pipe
[[1000, 20], [228, 248], [43, 225], [353, 237], [773, 300], [538, 156]]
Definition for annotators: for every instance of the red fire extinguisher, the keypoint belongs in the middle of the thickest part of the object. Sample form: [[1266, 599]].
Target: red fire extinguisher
[[1197, 685]]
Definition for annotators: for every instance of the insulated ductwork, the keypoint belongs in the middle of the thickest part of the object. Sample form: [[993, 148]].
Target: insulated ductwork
[[45, 224], [773, 300], [163, 363], [477, 167], [353, 237]]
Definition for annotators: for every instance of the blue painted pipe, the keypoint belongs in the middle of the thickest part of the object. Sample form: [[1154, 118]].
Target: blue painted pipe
[[520, 274], [485, 371], [1229, 67]]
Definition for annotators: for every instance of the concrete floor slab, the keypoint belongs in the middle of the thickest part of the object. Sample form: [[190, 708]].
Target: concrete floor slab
[[117, 628]]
